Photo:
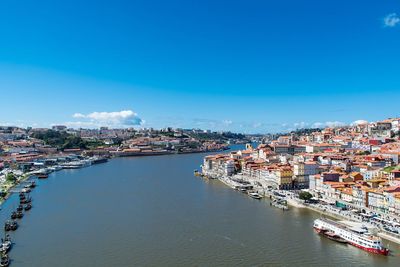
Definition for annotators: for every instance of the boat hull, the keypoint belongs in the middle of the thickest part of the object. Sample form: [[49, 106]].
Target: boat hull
[[384, 251]]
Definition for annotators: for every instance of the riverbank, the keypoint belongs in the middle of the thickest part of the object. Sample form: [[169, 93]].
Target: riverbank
[[7, 188], [297, 203]]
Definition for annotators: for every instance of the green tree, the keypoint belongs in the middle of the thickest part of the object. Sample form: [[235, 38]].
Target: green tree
[[10, 177], [306, 196]]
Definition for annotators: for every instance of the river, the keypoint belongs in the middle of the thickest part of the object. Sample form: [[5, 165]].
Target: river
[[152, 211]]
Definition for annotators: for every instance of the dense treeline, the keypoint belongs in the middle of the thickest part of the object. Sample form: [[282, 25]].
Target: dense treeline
[[61, 140]]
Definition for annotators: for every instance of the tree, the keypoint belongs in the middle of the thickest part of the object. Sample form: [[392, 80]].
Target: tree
[[10, 177], [306, 196]]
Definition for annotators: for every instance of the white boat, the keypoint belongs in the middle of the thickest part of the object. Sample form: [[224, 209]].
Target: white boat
[[25, 190], [51, 169], [6, 244], [57, 168], [356, 236], [86, 162], [72, 165], [255, 195]]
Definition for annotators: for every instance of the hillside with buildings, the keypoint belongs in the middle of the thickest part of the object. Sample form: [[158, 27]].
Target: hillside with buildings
[[354, 166]]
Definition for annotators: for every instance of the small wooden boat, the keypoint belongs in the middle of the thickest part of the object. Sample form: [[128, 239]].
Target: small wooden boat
[[20, 214], [4, 261], [42, 176], [14, 225], [13, 215], [32, 184], [7, 226], [25, 201], [5, 244], [28, 206], [332, 236], [20, 208]]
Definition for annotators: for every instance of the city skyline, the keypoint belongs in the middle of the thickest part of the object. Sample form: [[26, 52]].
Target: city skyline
[[252, 68]]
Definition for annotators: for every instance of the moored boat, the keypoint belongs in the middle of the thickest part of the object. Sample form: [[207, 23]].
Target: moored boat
[[26, 190], [42, 175], [20, 215], [10, 226], [28, 206], [14, 225], [7, 226], [4, 261], [72, 165], [25, 200], [356, 236], [98, 160], [5, 244], [32, 184], [254, 195], [332, 236]]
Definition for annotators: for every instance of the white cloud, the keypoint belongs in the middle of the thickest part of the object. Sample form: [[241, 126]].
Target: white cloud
[[78, 115], [358, 122], [124, 118], [391, 20]]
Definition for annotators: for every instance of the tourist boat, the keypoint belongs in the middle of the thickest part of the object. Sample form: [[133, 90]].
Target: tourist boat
[[20, 208], [86, 162], [72, 165], [50, 169], [21, 195], [356, 236], [28, 206], [53, 169], [4, 261], [254, 195]]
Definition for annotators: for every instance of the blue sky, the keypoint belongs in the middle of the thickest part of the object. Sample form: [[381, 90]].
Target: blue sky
[[245, 66]]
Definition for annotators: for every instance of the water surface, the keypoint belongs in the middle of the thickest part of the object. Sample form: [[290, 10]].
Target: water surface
[[152, 211]]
